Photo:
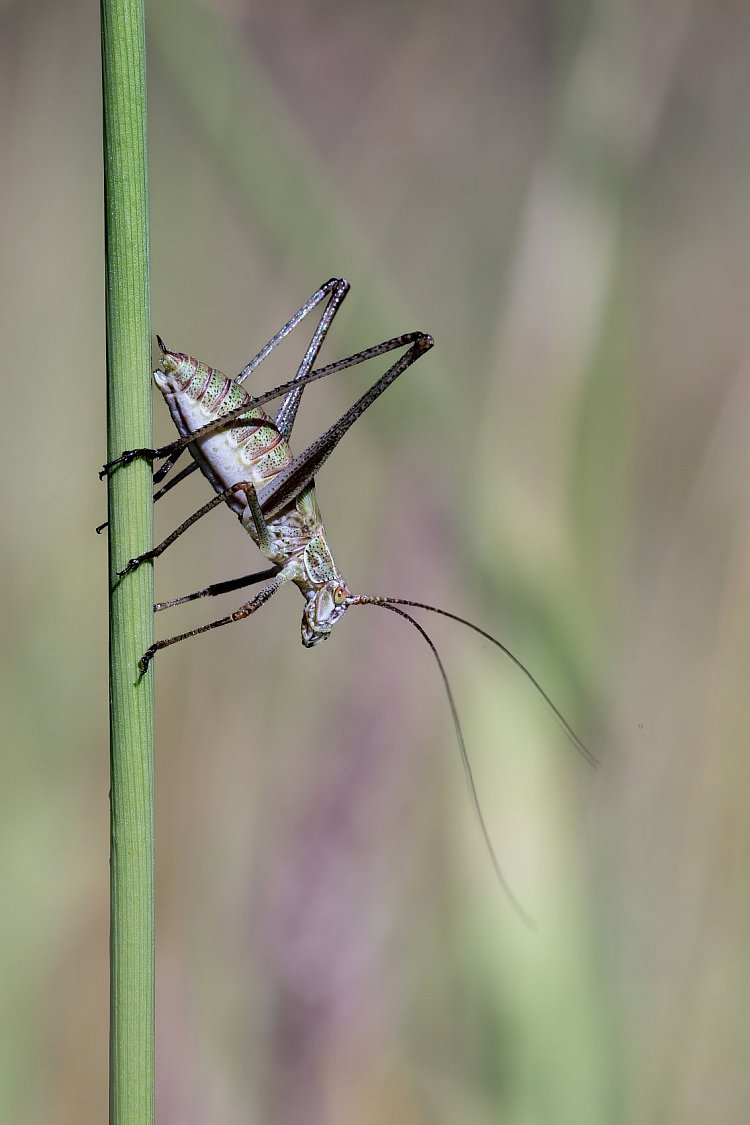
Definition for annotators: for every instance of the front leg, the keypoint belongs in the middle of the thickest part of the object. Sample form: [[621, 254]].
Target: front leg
[[240, 614], [130, 455], [217, 588]]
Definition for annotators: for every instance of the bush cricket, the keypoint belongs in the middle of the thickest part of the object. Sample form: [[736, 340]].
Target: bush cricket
[[245, 455]]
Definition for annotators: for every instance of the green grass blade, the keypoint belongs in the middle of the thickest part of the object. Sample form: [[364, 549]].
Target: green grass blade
[[131, 697]]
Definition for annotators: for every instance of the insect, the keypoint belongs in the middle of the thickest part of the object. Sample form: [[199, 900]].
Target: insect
[[245, 455]]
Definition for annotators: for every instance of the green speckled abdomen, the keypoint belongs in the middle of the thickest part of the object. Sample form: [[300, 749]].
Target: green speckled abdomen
[[197, 394], [251, 450]]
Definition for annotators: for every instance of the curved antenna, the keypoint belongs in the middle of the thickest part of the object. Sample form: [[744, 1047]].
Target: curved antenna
[[582, 749], [522, 914]]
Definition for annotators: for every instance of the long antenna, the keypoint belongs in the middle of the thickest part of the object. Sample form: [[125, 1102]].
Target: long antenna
[[570, 733], [386, 604]]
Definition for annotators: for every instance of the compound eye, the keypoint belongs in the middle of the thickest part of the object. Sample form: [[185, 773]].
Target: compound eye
[[339, 595]]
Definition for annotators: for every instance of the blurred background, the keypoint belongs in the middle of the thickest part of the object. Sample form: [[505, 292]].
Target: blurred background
[[558, 192]]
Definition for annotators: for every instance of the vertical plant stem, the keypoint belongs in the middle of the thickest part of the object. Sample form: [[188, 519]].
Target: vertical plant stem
[[131, 696]]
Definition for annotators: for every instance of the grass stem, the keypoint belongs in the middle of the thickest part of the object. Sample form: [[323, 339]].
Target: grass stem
[[130, 533]]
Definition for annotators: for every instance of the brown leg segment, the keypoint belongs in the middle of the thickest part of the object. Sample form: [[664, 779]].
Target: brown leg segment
[[240, 614]]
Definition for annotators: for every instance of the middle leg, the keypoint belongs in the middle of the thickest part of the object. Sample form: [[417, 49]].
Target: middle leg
[[261, 526]]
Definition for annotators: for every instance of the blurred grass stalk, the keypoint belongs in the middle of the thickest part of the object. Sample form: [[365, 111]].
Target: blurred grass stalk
[[131, 696]]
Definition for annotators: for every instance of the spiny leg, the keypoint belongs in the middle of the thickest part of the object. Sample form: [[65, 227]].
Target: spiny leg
[[221, 497], [240, 614], [333, 285], [217, 588], [287, 412], [290, 482], [362, 356]]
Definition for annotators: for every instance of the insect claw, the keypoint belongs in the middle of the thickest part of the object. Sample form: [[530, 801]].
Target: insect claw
[[146, 659], [132, 565], [126, 458], [101, 527]]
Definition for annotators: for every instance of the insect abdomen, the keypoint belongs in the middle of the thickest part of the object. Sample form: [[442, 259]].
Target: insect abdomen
[[198, 394], [260, 448]]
